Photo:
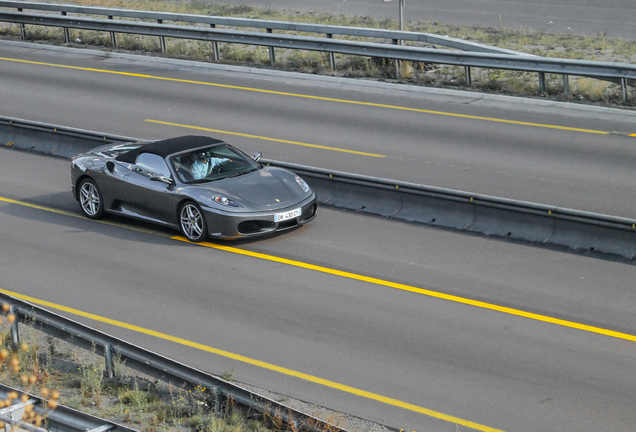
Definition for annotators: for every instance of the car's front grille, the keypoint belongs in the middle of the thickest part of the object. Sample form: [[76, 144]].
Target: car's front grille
[[260, 226], [255, 226], [309, 213], [287, 224]]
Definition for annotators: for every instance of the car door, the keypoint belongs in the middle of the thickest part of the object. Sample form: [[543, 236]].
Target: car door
[[150, 197], [113, 185]]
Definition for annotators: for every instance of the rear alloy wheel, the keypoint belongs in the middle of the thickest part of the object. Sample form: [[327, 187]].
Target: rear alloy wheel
[[192, 222], [90, 199]]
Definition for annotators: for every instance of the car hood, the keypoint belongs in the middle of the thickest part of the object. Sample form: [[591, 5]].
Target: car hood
[[267, 187]]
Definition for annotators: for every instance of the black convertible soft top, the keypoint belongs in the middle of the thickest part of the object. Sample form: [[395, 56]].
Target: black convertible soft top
[[168, 146]]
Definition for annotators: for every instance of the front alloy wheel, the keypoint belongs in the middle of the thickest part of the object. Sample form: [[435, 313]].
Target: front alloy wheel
[[192, 222], [90, 199]]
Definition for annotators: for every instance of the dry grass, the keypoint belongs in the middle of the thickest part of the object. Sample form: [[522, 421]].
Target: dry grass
[[130, 399], [20, 367], [63, 373]]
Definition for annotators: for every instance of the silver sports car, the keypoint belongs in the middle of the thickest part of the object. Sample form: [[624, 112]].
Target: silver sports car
[[199, 185]]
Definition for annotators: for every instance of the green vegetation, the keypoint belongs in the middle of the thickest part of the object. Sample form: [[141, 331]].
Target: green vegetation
[[20, 368], [530, 41], [63, 374]]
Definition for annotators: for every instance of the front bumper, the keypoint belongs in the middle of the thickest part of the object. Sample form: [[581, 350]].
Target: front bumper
[[238, 225]]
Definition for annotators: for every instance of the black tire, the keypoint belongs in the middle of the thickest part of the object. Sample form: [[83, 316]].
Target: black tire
[[90, 199], [192, 222]]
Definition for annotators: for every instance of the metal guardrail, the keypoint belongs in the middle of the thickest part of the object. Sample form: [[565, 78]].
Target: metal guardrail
[[149, 363], [478, 56], [268, 25], [465, 211], [60, 419]]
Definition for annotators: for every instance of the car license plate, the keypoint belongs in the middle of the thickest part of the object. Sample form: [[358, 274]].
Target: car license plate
[[279, 217]]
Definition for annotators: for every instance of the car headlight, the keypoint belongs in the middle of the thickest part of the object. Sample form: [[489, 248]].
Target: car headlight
[[225, 201], [302, 183]]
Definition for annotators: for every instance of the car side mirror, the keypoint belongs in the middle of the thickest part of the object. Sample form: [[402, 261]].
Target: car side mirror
[[160, 178], [257, 156]]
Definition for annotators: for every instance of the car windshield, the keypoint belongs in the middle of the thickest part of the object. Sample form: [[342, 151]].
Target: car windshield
[[212, 163]]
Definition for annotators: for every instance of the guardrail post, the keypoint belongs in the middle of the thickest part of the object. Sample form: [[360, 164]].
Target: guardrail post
[[113, 39], [217, 399], [215, 46], [15, 333], [272, 58], [67, 33], [624, 89], [566, 84], [162, 39], [332, 58], [397, 62], [108, 357], [22, 28], [542, 82], [469, 80]]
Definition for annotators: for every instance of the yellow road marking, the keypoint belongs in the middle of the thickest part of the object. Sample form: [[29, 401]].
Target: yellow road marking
[[265, 138], [349, 275], [39, 207], [362, 278], [370, 104], [259, 363], [409, 288], [77, 215]]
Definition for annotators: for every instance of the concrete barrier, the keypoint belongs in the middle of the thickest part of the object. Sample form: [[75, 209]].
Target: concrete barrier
[[50, 139], [476, 213]]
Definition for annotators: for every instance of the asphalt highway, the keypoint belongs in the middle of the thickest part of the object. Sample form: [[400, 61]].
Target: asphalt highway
[[613, 18], [523, 338], [567, 155], [413, 327]]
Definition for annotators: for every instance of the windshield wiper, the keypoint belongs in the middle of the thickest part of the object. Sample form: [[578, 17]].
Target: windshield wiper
[[240, 173]]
